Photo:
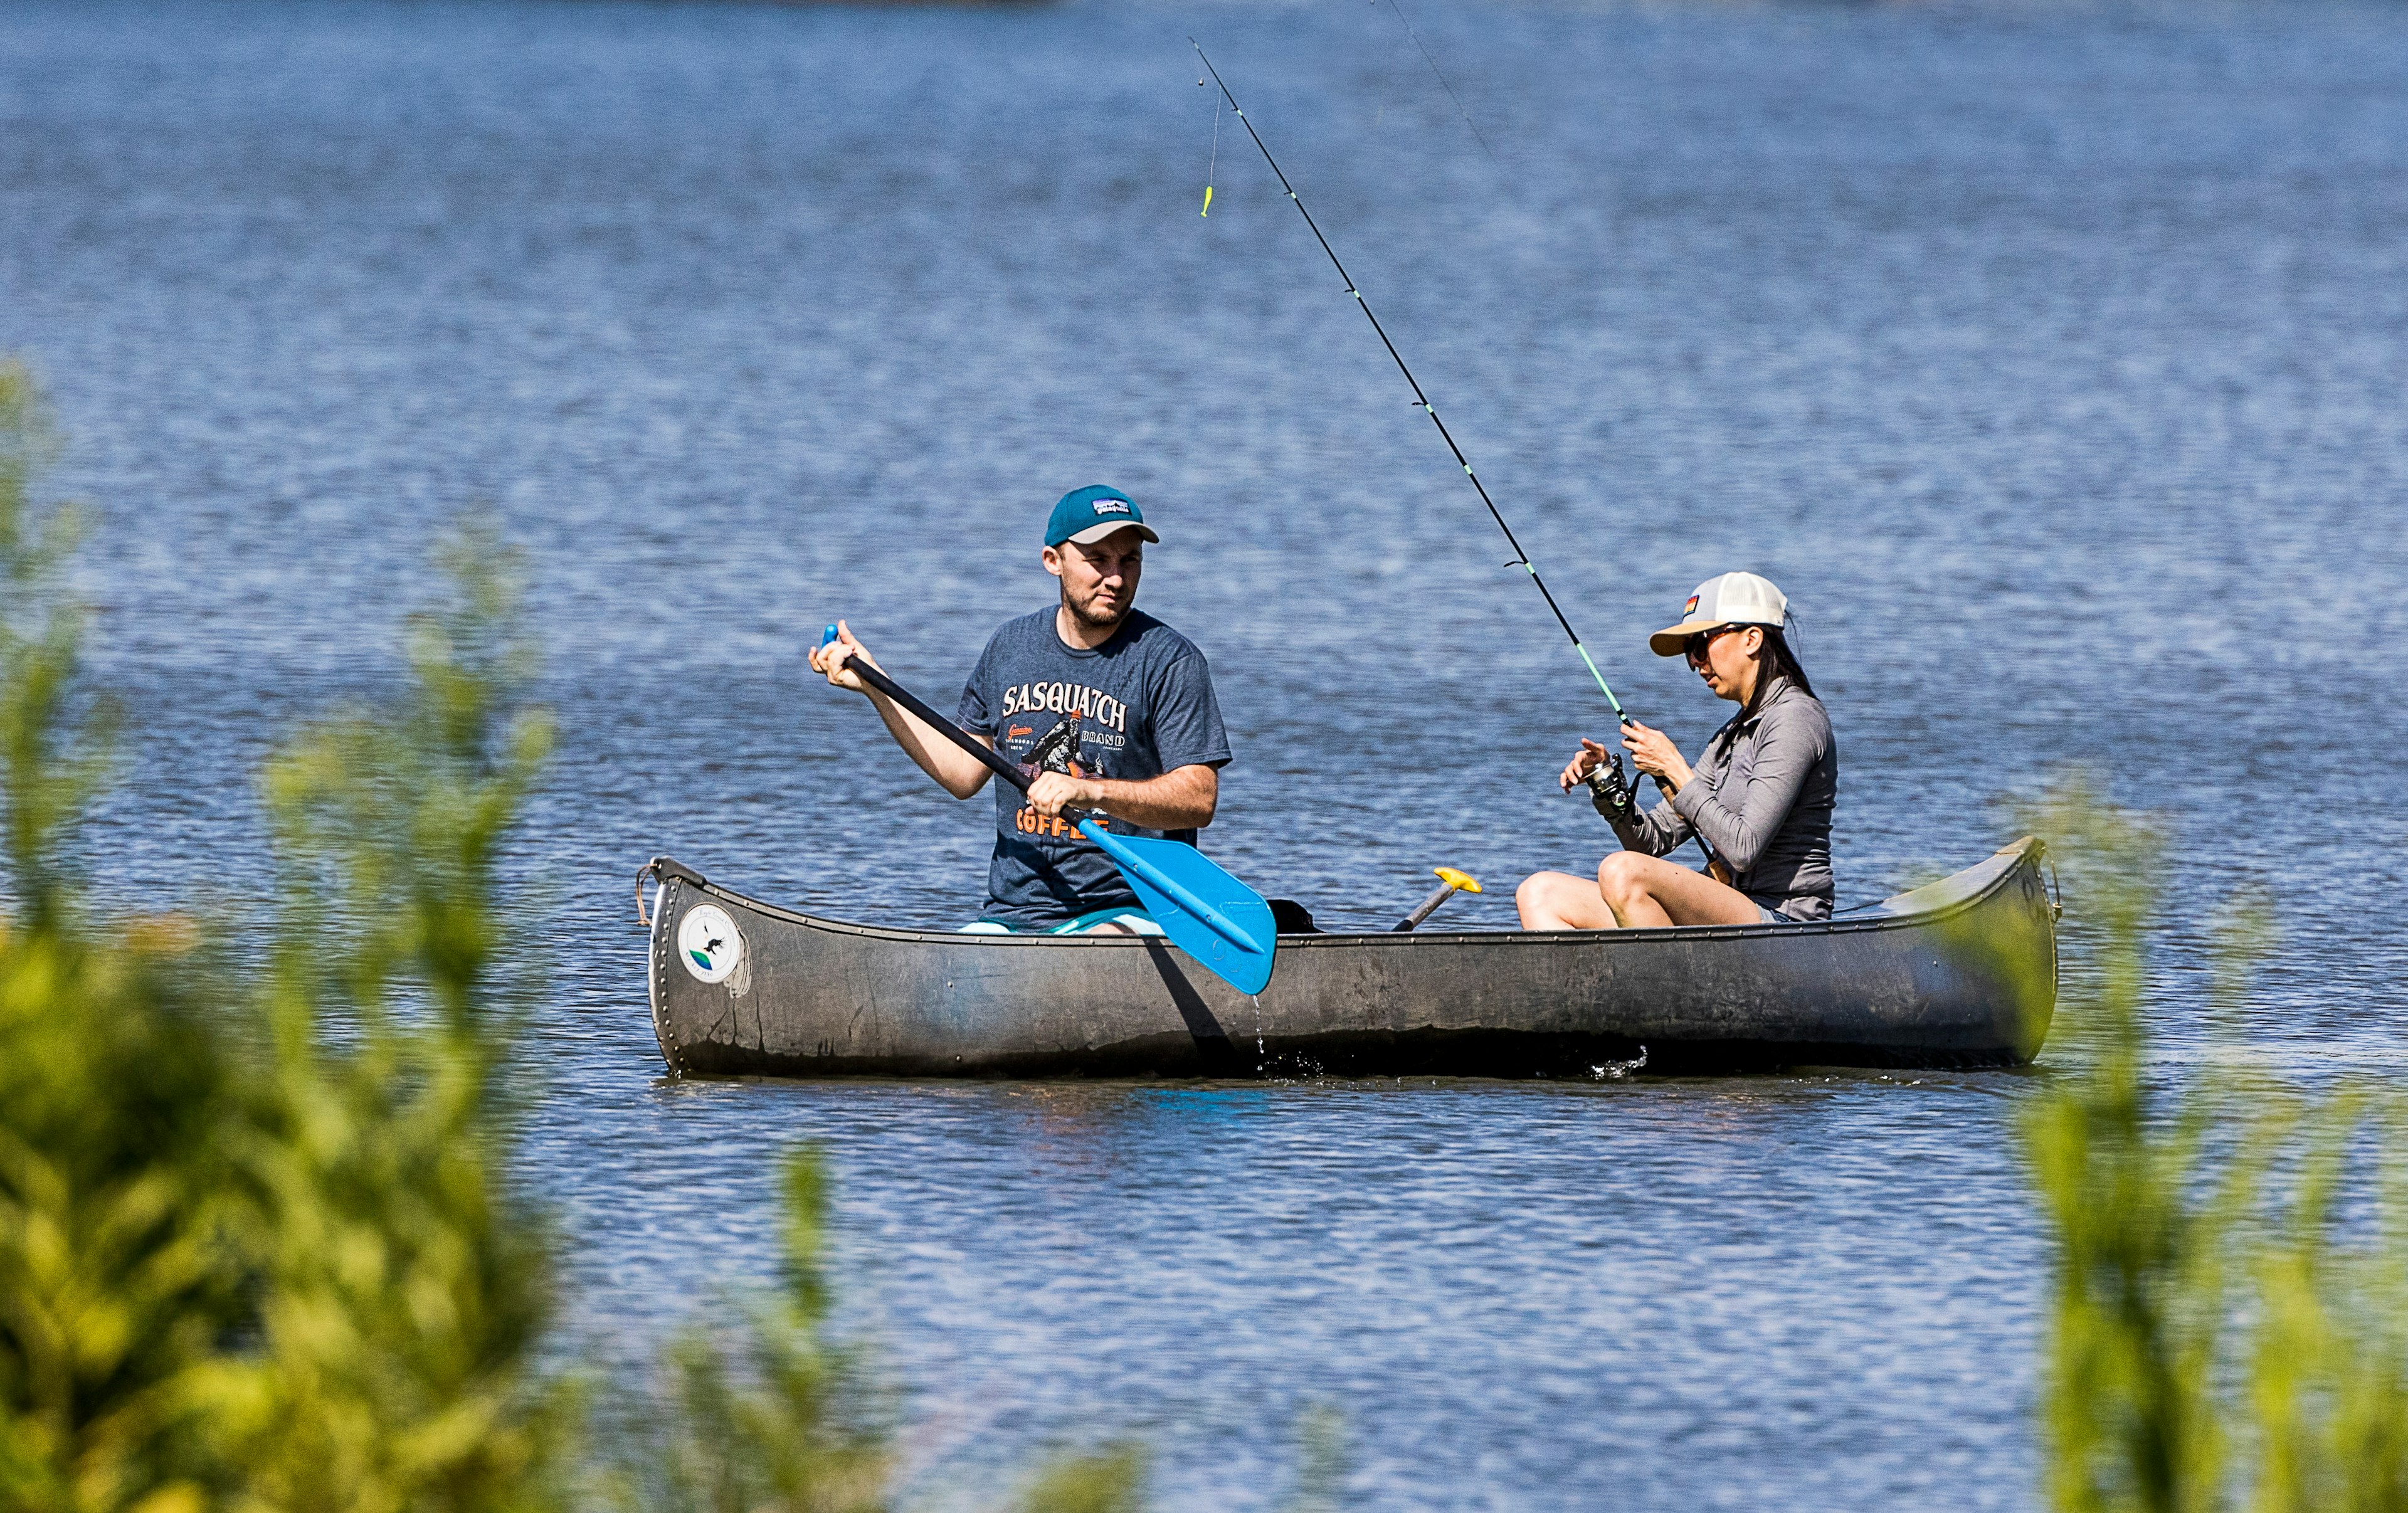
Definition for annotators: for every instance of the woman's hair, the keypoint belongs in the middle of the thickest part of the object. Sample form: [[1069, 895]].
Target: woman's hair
[[1785, 662]]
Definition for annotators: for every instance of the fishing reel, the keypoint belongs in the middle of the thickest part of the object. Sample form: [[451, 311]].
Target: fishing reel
[[1611, 791]]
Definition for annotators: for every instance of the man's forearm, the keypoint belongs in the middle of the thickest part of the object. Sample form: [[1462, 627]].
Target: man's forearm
[[1182, 799], [957, 771]]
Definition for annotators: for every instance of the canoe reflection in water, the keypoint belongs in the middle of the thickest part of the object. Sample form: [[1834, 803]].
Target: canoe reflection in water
[[1959, 973]]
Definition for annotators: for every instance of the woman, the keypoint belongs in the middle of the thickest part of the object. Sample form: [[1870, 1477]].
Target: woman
[[1760, 795]]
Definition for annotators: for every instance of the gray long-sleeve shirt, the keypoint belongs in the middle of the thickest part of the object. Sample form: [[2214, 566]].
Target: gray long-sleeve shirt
[[1762, 798]]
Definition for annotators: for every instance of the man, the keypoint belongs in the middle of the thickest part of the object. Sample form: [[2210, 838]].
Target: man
[[1111, 709]]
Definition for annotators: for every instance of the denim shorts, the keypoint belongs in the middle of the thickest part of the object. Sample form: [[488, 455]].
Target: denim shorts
[[1773, 916]]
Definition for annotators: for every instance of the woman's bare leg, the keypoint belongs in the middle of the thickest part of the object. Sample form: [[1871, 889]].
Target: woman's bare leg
[[1559, 901], [1645, 892], [1633, 892]]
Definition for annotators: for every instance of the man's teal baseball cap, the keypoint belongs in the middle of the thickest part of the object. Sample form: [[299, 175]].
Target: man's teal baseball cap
[[1093, 513]]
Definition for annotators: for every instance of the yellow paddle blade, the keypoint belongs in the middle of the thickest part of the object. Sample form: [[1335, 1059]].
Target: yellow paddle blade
[[1452, 879]]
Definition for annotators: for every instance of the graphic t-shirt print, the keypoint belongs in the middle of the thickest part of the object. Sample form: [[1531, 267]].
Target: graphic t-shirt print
[[1056, 751]]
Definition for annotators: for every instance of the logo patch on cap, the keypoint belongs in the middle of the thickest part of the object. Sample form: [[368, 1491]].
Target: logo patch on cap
[[1689, 608], [1111, 506]]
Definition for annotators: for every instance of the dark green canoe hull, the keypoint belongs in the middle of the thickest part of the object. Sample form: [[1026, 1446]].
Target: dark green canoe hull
[[1959, 974]]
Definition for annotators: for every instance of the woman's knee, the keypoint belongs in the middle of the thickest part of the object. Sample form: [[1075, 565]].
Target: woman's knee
[[1543, 896], [1623, 875], [1536, 891]]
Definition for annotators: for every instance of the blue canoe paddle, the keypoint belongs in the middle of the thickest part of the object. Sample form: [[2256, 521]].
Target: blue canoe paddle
[[1206, 912]]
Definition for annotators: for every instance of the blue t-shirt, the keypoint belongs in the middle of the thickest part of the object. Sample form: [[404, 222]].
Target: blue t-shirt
[[1142, 706]]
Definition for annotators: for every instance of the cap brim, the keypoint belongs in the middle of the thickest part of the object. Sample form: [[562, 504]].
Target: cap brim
[[1669, 641], [1097, 533]]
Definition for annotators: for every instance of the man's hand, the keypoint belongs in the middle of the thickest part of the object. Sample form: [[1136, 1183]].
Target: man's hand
[[932, 751], [1183, 798], [1054, 791], [831, 659], [1652, 753]]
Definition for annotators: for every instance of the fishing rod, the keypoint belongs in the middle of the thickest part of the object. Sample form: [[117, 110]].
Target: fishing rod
[[1626, 804], [1421, 400]]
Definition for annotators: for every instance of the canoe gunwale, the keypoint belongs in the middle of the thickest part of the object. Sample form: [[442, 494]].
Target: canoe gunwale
[[2005, 863]]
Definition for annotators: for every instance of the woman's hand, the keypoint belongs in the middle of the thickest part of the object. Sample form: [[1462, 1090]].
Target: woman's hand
[[1652, 753], [1050, 792], [831, 659], [1592, 756]]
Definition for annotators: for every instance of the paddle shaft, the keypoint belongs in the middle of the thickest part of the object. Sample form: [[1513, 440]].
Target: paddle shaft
[[1009, 771], [1218, 922], [1426, 908]]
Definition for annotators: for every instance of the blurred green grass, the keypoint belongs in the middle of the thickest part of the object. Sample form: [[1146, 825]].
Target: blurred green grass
[[2228, 1321]]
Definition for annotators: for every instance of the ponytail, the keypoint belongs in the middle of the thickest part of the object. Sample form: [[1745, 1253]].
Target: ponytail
[[1785, 662]]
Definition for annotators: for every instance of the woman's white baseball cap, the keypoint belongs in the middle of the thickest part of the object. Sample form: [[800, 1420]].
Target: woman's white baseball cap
[[1731, 599]]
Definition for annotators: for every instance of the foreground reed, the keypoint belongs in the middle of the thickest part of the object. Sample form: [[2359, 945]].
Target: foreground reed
[[256, 1244], [2228, 1313]]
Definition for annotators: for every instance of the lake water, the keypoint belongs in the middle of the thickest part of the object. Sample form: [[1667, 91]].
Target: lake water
[[2050, 356]]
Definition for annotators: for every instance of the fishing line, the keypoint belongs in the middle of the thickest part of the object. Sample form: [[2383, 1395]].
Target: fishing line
[[1421, 400], [1460, 108], [1212, 171], [1387, 76]]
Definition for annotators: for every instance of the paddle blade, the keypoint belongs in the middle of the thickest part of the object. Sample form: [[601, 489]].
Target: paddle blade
[[1206, 912]]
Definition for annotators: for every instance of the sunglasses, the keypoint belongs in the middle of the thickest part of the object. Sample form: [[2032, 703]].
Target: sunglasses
[[1694, 647]]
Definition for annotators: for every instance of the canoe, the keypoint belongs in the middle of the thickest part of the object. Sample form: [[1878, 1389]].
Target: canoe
[[1960, 973]]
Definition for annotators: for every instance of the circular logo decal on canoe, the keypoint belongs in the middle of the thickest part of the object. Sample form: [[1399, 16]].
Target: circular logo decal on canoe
[[708, 943]]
